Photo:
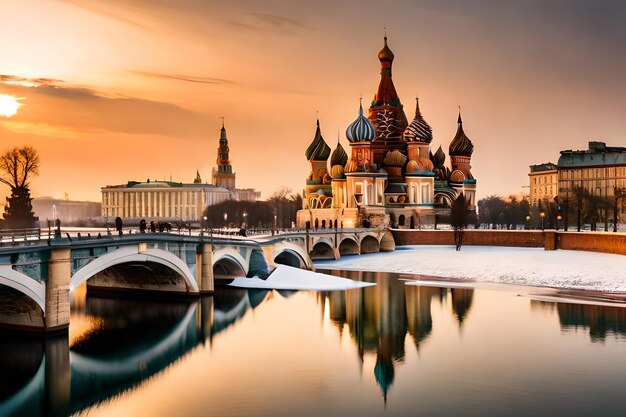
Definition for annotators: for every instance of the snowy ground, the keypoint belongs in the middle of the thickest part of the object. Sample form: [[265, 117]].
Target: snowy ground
[[289, 278], [523, 266]]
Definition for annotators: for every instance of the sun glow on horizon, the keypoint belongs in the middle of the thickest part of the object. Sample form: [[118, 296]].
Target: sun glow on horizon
[[8, 105]]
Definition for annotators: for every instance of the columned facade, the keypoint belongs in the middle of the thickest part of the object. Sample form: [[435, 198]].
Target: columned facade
[[164, 200]]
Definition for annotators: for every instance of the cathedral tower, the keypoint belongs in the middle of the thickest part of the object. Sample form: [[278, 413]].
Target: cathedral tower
[[461, 178], [223, 175], [386, 111], [386, 114]]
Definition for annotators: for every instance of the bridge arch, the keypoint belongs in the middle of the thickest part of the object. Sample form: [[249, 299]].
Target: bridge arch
[[228, 263], [349, 246], [369, 244], [322, 250], [129, 254], [290, 257], [26, 285], [387, 242]]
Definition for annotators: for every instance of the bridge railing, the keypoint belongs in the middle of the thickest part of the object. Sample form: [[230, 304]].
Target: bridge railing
[[17, 236]]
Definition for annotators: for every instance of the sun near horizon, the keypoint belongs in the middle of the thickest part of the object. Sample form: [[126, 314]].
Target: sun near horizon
[[9, 105]]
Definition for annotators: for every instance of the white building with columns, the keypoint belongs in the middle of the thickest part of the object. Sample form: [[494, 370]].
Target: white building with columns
[[161, 200], [168, 200]]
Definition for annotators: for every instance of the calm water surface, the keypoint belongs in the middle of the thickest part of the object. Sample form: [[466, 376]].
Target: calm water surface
[[391, 350]]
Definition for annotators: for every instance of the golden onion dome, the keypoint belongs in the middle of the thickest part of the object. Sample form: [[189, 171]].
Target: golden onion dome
[[413, 166], [427, 164], [337, 172], [457, 176], [394, 158], [385, 54]]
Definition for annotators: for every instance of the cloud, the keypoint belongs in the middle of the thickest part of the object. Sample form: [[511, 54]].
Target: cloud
[[67, 108], [279, 22], [257, 21], [106, 11], [27, 82], [192, 14], [45, 130], [187, 78]]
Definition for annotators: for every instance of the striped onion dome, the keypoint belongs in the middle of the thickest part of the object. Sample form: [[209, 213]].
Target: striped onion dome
[[461, 145], [419, 130], [339, 156], [361, 130], [318, 150]]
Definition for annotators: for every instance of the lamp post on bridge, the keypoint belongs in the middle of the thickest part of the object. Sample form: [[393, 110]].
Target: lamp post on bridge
[[542, 215]]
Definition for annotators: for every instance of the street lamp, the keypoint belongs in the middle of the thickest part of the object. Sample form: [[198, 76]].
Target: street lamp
[[528, 221], [225, 220], [245, 216], [205, 222], [542, 214], [275, 222], [558, 219]]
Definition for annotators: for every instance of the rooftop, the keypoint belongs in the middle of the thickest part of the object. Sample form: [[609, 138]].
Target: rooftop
[[546, 166], [598, 154], [164, 184]]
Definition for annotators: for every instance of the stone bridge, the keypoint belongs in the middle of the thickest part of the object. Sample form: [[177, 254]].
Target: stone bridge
[[41, 276], [333, 243]]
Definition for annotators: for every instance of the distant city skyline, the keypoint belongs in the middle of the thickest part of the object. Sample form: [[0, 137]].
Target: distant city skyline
[[136, 89]]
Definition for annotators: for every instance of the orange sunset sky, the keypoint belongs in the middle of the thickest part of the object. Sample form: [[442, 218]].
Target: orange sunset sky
[[133, 89]]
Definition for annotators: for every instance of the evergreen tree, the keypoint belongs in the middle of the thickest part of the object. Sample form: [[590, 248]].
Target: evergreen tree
[[18, 213]]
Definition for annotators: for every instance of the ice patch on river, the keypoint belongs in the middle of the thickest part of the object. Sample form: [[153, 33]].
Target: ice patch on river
[[289, 278], [524, 266]]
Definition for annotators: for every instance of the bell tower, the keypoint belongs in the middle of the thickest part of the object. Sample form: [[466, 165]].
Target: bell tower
[[223, 175]]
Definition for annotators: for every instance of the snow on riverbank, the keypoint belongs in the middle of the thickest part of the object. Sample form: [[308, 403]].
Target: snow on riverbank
[[289, 278], [524, 266]]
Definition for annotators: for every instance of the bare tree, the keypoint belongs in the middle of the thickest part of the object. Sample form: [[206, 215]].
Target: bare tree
[[17, 167], [285, 205]]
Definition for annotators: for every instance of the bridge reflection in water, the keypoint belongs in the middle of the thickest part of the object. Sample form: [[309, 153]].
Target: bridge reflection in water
[[116, 352]]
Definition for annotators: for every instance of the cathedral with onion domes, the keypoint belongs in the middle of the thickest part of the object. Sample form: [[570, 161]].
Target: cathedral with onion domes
[[390, 177]]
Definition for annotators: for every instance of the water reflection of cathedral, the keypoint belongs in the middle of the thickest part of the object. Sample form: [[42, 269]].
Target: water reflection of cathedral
[[379, 318]]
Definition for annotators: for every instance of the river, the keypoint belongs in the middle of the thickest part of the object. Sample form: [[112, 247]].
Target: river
[[391, 349]]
